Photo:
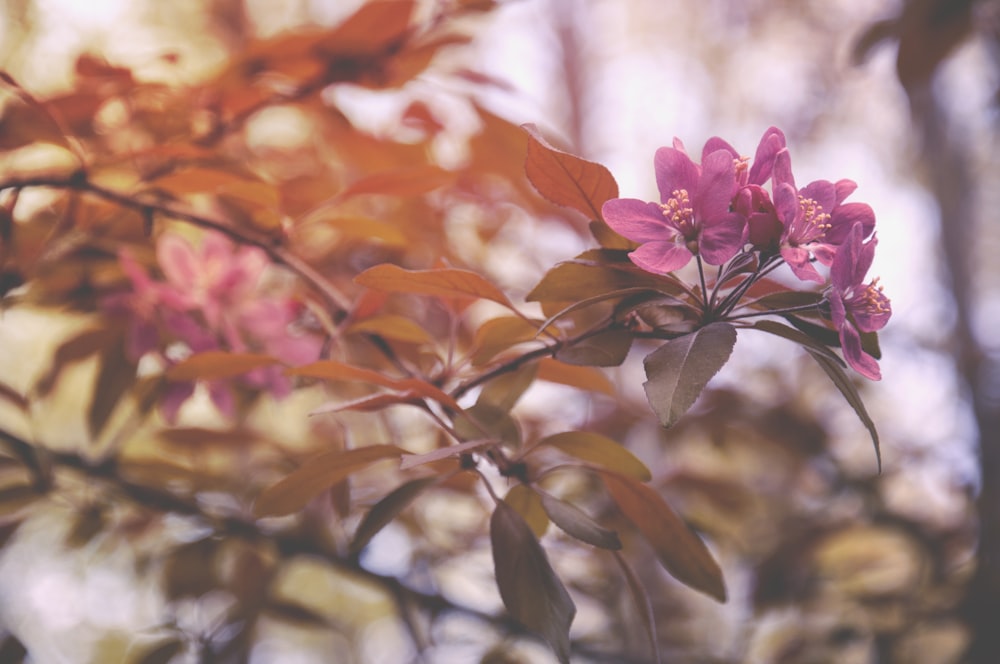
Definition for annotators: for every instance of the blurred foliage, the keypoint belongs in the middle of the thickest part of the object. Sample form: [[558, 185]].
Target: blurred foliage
[[336, 523]]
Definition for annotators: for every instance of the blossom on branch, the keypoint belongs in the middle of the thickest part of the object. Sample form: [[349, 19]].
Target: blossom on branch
[[855, 306], [694, 215], [815, 220]]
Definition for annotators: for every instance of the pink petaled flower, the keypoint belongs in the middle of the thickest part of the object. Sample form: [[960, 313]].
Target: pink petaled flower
[[854, 306], [212, 278], [771, 143], [211, 300], [815, 219], [692, 218], [752, 201]]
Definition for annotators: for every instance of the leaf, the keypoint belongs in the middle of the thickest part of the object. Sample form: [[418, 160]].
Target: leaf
[[368, 404], [411, 181], [388, 508], [679, 549], [412, 460], [499, 334], [678, 370], [114, 378], [484, 420], [607, 349], [598, 450], [566, 179], [799, 337], [504, 390], [392, 326], [440, 282], [531, 591], [293, 492], [333, 370], [217, 364], [578, 524], [88, 342], [850, 392], [642, 602], [528, 504], [584, 378]]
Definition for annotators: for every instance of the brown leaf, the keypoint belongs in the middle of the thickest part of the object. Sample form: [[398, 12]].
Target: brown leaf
[[217, 364], [528, 504], [585, 378], [333, 370], [579, 524], [599, 450], [441, 282], [529, 587], [680, 550], [566, 179], [410, 181], [294, 491]]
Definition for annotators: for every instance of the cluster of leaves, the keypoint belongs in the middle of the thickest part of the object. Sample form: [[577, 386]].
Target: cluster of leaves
[[197, 254]]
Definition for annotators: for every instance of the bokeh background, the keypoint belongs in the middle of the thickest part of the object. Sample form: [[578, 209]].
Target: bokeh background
[[827, 561]]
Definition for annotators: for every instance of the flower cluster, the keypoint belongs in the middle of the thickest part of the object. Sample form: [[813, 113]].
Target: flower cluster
[[719, 209], [210, 298]]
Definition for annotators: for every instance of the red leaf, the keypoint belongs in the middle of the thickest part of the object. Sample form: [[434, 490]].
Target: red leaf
[[566, 179]]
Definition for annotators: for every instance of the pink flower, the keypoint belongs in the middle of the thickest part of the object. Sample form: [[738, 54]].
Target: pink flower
[[815, 219], [856, 307], [772, 142], [692, 218], [211, 299]]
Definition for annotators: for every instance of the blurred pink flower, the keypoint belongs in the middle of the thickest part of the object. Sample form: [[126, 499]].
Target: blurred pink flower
[[211, 300], [692, 218], [854, 306]]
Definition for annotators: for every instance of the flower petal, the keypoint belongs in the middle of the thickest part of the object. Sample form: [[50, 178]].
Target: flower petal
[[722, 238], [661, 257], [716, 187], [798, 260], [637, 220], [770, 144], [674, 170], [858, 359]]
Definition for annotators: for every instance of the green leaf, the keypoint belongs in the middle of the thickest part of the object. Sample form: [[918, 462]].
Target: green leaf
[[566, 179], [679, 549], [846, 387], [293, 492], [599, 450], [531, 591], [607, 349], [387, 509], [678, 370], [578, 524]]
